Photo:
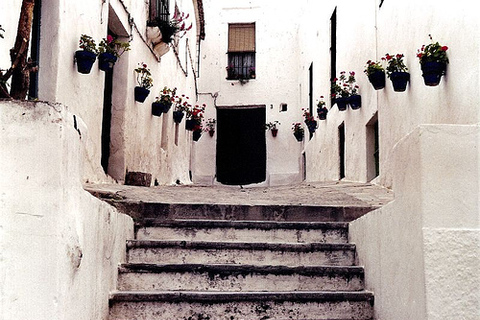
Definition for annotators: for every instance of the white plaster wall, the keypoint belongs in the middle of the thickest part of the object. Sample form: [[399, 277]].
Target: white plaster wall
[[59, 246], [9, 15], [136, 134], [366, 32], [421, 252], [276, 81]]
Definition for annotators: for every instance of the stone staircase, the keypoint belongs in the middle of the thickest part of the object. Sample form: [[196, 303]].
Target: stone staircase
[[202, 269]]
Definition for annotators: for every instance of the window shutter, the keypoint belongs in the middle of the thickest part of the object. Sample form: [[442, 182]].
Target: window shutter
[[241, 37]]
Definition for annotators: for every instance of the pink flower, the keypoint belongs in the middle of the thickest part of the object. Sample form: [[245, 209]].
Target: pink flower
[[109, 38], [444, 48]]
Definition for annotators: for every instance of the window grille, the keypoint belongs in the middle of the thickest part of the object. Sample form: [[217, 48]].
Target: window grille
[[159, 10], [241, 51]]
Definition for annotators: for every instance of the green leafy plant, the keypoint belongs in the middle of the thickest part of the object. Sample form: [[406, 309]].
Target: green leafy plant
[[321, 103], [297, 129], [344, 86], [374, 66], [144, 76], [395, 63], [88, 44], [113, 46], [210, 125], [433, 52], [175, 27], [167, 96], [272, 125]]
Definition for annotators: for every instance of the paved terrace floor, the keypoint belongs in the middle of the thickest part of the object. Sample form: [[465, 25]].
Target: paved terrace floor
[[313, 194]]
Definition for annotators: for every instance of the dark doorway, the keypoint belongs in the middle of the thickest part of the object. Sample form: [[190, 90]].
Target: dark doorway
[[241, 146], [107, 118], [341, 149]]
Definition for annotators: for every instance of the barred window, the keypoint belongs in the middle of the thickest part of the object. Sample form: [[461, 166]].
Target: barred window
[[241, 51], [159, 10]]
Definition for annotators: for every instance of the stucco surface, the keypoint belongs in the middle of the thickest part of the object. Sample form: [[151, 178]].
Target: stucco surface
[[59, 246], [418, 265]]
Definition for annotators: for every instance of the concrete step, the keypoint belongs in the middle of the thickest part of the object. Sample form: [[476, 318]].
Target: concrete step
[[144, 210], [243, 231], [241, 306], [204, 252], [244, 278]]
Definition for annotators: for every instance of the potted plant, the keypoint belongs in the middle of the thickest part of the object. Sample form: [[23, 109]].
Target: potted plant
[[169, 30], [194, 117], [340, 92], [322, 109], [298, 131], [181, 106], [345, 91], [144, 81], [86, 57], [353, 99], [110, 50], [210, 126], [197, 133], [309, 121], [433, 62], [376, 74], [397, 72], [163, 103], [272, 126]]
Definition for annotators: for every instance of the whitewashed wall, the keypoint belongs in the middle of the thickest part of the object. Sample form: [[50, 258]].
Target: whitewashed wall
[[59, 246], [420, 251], [276, 82], [140, 142]]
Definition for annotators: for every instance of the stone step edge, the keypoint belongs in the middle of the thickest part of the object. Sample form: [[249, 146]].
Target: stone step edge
[[224, 269], [295, 247], [222, 297], [241, 224]]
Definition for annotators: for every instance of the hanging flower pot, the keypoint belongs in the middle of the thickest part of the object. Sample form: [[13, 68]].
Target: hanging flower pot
[[433, 62], [274, 132], [211, 132], [311, 125], [341, 103], [85, 60], [355, 101], [298, 136], [377, 79], [141, 94], [190, 124], [197, 134], [177, 116], [106, 61], [432, 72], [322, 113], [399, 81]]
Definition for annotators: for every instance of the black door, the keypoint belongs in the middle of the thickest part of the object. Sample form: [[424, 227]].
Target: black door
[[241, 146]]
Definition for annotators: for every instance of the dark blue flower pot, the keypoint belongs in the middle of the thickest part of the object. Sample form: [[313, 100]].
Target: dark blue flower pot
[[177, 116], [377, 79], [322, 113], [341, 103], [311, 125], [298, 135], [355, 101], [141, 94], [197, 134], [106, 61], [159, 107], [85, 61], [399, 80], [190, 124], [433, 72]]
